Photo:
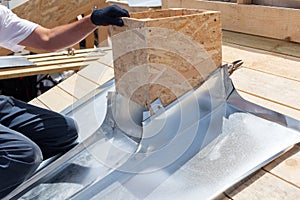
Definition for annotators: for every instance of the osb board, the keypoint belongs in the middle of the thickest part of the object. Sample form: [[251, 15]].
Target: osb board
[[166, 53], [50, 13], [273, 22], [124, 4]]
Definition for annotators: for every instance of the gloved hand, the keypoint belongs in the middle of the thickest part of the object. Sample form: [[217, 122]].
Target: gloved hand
[[110, 15]]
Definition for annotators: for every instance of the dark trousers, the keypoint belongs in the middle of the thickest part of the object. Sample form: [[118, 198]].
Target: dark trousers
[[29, 134]]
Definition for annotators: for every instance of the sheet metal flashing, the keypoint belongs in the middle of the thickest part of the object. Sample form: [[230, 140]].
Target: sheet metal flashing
[[14, 61], [195, 148]]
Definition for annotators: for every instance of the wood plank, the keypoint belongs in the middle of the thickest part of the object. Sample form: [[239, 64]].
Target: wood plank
[[64, 53], [29, 71], [107, 59], [281, 3], [62, 58], [4, 52], [222, 197], [263, 185], [273, 22], [77, 86], [276, 89], [271, 105], [263, 43], [287, 166], [244, 1], [271, 63], [38, 103], [171, 4], [56, 99], [97, 73], [65, 61]]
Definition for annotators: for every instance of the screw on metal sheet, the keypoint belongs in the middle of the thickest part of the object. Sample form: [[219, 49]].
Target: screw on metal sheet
[[71, 52], [234, 66]]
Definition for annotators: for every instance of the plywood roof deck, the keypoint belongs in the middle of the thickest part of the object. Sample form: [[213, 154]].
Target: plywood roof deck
[[267, 78]]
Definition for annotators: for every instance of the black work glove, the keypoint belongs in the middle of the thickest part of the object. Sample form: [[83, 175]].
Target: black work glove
[[110, 15]]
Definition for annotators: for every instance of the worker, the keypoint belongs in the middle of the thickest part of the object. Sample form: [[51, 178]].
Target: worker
[[29, 134]]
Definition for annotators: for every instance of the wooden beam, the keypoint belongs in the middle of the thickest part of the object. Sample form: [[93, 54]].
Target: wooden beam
[[263, 43], [53, 62], [287, 166], [77, 86], [281, 91], [262, 61], [38, 103], [56, 99], [273, 22], [244, 1]]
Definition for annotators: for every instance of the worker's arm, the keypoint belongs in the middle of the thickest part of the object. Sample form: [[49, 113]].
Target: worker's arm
[[67, 35]]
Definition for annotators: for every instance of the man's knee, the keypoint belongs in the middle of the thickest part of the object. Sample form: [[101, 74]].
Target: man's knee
[[25, 152], [17, 164], [72, 129], [65, 139]]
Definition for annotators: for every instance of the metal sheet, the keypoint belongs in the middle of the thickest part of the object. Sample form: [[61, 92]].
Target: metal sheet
[[14, 61], [193, 149]]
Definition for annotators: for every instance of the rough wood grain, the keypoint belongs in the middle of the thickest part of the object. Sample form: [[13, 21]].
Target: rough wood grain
[[50, 13], [163, 54], [124, 4]]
